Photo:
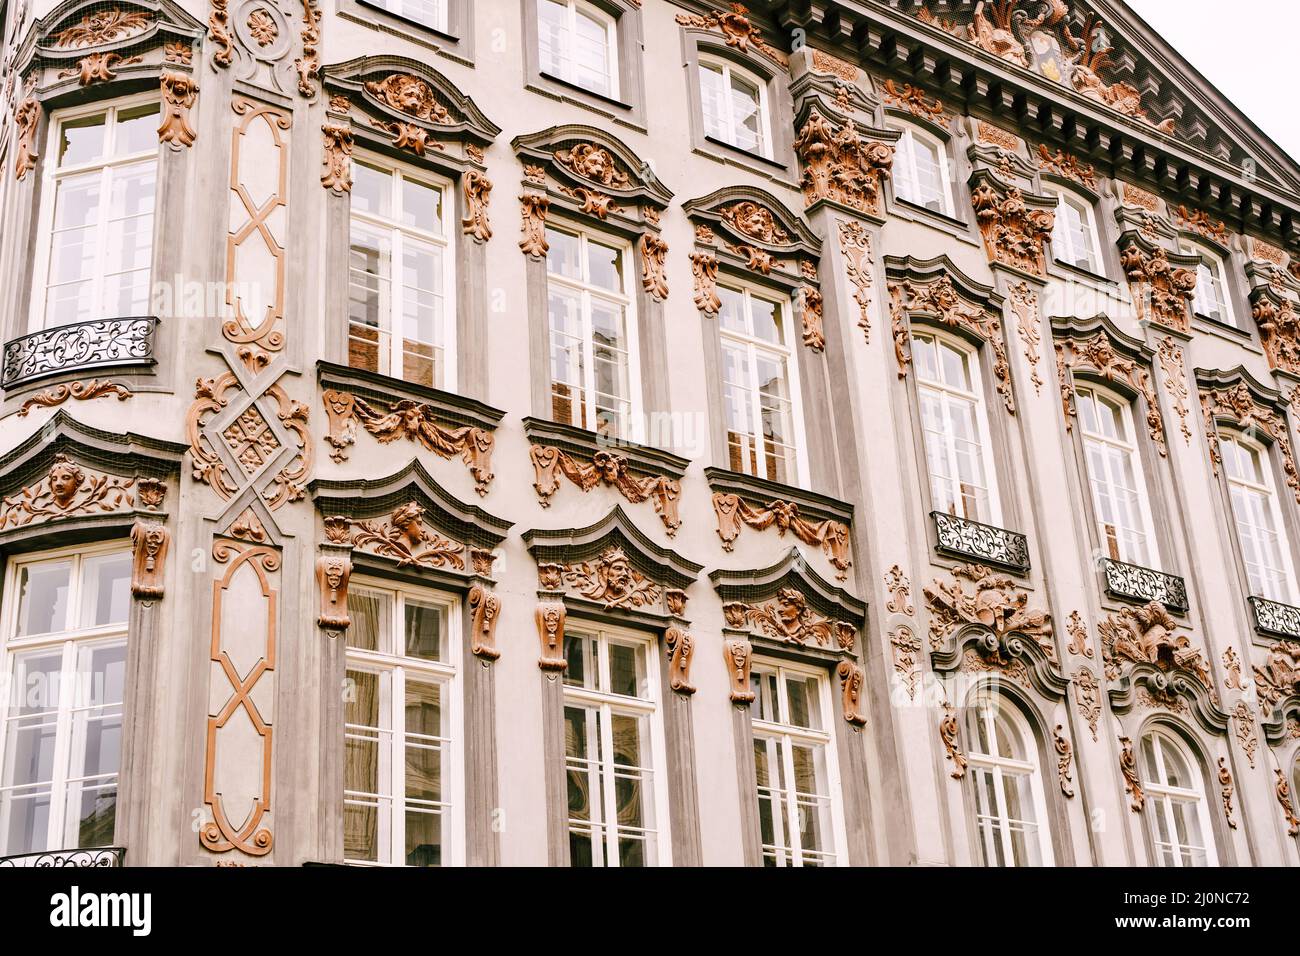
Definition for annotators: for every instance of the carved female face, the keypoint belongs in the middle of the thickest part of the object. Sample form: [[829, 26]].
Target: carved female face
[[65, 480]]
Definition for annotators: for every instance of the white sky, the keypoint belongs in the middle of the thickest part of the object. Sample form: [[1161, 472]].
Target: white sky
[[1246, 48]]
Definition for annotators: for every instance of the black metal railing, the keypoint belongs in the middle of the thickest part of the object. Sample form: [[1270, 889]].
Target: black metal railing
[[79, 345], [1275, 618], [97, 856], [1136, 583], [963, 538]]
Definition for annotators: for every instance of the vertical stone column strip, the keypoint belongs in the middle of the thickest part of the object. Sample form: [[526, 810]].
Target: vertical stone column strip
[[739, 653], [550, 618], [480, 651], [679, 733]]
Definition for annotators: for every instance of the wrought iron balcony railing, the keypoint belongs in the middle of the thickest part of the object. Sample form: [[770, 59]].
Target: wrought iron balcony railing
[[1144, 584], [79, 345], [963, 538], [1275, 618], [97, 856]]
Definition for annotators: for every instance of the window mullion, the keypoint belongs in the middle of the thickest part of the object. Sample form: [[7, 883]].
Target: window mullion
[[397, 778], [56, 830], [791, 789], [608, 796], [396, 303]]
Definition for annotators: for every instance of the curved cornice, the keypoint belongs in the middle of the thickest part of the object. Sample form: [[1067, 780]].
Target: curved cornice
[[119, 453], [793, 570], [1043, 672], [568, 545], [1166, 685], [1263, 395], [923, 271], [708, 209], [541, 147], [1080, 328]]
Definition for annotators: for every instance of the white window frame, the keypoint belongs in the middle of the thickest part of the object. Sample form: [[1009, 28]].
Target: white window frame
[[398, 9], [397, 236], [50, 176], [1161, 795], [976, 396], [729, 118], [71, 640], [905, 168], [586, 291], [753, 345], [788, 734], [1088, 217], [449, 673], [1217, 267], [991, 709], [608, 703], [611, 44], [1269, 491], [1133, 452]]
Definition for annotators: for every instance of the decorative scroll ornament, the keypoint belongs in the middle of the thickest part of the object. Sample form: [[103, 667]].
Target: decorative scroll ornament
[[149, 541], [1067, 166], [410, 95], [413, 421], [855, 243], [605, 468], [1235, 402], [1279, 332], [1283, 791], [1166, 289], [789, 618], [405, 539], [900, 591], [681, 651], [611, 580], [103, 26], [907, 655], [478, 190], [810, 314], [738, 653], [550, 617], [1146, 635], [533, 208], [839, 166], [336, 166], [1013, 232], [308, 65], [994, 604], [1245, 721], [913, 100], [1089, 701], [704, 270], [1280, 675], [485, 611], [333, 572], [67, 490], [1199, 222], [832, 536], [1128, 767], [736, 27], [948, 730], [851, 680], [1064, 755], [81, 391], [940, 300], [1078, 636], [653, 276], [26, 118], [1225, 791], [98, 67], [1024, 303], [1171, 363], [219, 30], [1097, 354], [252, 627], [179, 92]]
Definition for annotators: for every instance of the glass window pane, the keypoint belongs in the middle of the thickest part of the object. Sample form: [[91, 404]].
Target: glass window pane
[[425, 626], [106, 589], [627, 670], [369, 612], [82, 140], [43, 597]]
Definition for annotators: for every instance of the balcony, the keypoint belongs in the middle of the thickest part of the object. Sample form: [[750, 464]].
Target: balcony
[[77, 346], [963, 538], [97, 856], [1275, 618], [1135, 583]]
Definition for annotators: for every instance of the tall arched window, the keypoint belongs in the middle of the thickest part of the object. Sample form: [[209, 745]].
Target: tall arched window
[[1119, 496], [1074, 233], [957, 445], [1258, 518], [920, 171], [1010, 810], [734, 104], [1177, 812]]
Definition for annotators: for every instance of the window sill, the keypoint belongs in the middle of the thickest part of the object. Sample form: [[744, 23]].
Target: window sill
[[434, 31], [949, 225], [1069, 270], [376, 17], [587, 444], [812, 504], [375, 386], [552, 87]]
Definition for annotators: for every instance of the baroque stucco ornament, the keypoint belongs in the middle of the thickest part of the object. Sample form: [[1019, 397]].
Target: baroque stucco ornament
[[789, 618], [839, 166], [1097, 354], [994, 603], [733, 512], [736, 27], [605, 468], [1013, 231], [67, 490]]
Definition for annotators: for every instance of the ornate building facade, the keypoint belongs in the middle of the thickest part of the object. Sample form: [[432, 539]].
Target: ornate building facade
[[607, 432]]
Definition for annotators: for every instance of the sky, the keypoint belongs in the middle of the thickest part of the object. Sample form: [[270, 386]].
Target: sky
[[1246, 48]]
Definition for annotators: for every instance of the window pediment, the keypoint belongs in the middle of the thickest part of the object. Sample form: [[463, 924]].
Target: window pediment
[[752, 232], [1235, 398]]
